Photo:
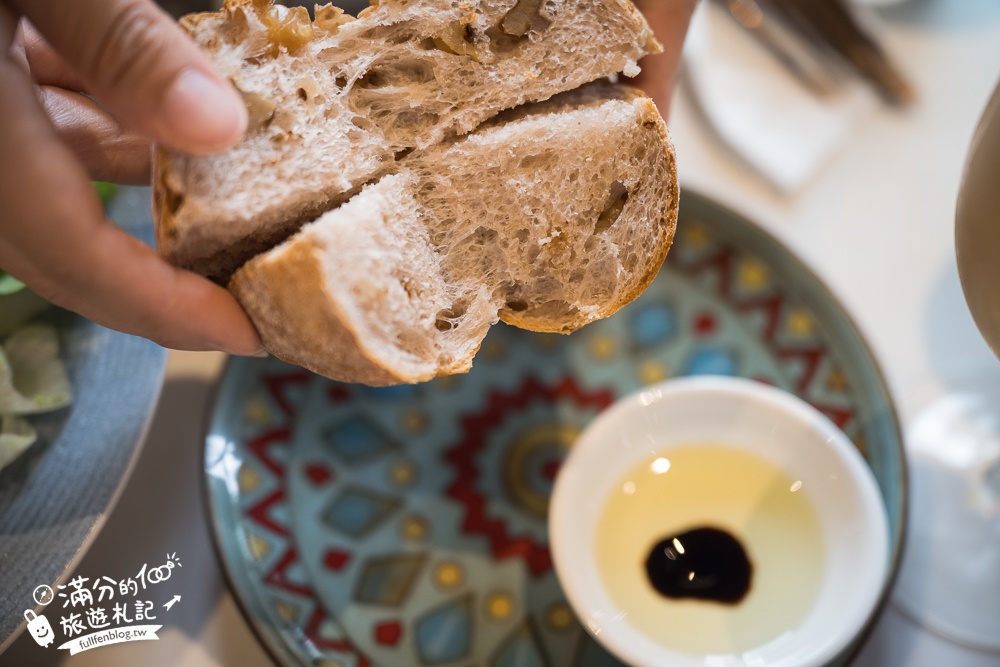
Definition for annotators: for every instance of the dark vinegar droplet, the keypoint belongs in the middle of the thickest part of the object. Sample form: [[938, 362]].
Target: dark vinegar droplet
[[703, 563]]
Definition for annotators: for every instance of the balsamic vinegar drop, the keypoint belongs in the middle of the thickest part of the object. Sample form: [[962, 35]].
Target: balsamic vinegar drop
[[704, 564]]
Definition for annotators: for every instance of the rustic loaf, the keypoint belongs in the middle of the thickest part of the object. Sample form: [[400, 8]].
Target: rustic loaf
[[550, 216], [412, 176], [336, 101]]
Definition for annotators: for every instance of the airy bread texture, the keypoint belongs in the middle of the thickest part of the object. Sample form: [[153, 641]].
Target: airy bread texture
[[550, 216], [335, 102]]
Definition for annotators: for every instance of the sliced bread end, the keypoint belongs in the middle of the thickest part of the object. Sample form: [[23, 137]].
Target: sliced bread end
[[358, 295]]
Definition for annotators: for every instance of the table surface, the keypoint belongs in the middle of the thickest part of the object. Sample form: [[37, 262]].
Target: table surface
[[876, 226]]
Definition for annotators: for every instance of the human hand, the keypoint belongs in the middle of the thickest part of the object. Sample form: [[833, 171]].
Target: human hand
[[669, 20], [84, 92]]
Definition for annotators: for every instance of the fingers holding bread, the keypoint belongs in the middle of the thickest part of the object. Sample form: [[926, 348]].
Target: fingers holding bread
[[55, 237], [130, 55], [407, 180]]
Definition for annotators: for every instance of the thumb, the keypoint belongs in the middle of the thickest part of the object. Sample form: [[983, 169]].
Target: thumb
[[134, 59], [669, 20]]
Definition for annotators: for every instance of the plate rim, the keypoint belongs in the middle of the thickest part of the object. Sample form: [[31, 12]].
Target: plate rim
[[129, 209], [158, 357]]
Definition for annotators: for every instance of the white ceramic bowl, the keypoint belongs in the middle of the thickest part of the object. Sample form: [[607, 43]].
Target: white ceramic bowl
[[754, 419]]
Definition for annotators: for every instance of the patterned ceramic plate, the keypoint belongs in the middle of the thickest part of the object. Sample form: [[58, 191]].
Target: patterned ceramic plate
[[55, 497], [406, 526]]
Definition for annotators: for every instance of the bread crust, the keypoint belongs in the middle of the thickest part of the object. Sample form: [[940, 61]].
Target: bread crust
[[297, 307]]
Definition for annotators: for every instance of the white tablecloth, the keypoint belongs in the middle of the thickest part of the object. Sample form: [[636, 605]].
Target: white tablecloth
[[876, 226]]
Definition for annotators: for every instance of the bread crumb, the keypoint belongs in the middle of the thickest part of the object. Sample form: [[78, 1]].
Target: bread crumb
[[550, 238]]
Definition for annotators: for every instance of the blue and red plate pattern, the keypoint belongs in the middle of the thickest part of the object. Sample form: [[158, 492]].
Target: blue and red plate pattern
[[407, 526]]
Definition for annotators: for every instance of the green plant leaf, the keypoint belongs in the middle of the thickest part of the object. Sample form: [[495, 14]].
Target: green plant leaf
[[9, 284], [105, 191]]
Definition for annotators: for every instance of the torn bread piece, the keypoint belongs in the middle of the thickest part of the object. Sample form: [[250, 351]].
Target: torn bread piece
[[335, 101], [549, 217]]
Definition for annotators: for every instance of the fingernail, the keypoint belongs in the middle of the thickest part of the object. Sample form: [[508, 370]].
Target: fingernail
[[260, 352], [203, 113]]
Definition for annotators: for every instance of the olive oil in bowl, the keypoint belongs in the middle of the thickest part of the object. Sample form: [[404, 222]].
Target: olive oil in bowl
[[710, 550]]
